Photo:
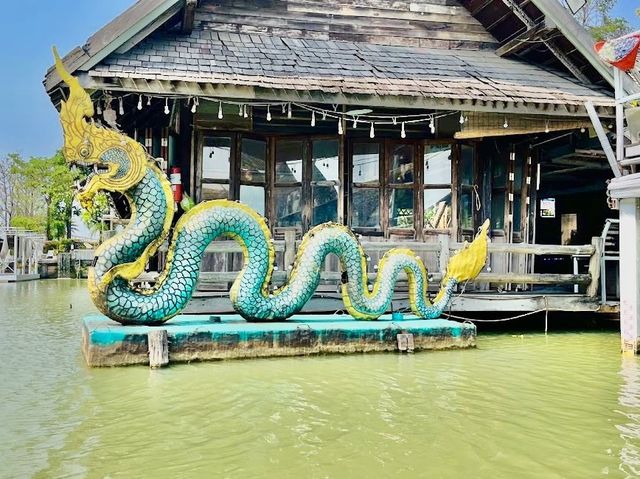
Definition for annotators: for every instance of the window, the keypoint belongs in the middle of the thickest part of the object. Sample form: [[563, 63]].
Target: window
[[325, 181], [365, 174], [253, 165], [437, 186], [289, 164], [498, 192], [401, 186], [216, 162]]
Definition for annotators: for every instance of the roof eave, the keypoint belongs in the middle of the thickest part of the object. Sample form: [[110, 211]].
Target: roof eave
[[125, 30]]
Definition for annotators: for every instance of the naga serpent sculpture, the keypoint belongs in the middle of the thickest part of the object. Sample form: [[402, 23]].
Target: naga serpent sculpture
[[121, 164]]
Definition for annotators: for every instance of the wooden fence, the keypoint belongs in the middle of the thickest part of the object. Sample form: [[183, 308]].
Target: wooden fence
[[443, 249]]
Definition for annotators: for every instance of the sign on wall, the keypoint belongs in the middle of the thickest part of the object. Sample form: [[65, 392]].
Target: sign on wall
[[548, 208]]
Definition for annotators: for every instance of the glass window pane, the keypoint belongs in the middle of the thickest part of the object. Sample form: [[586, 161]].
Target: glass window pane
[[401, 168], [253, 160], [466, 210], [517, 220], [437, 208], [401, 208], [365, 211], [497, 210], [519, 172], [216, 153], [325, 160], [366, 162], [466, 165], [253, 197], [289, 156], [437, 165], [325, 204], [212, 191], [288, 204]]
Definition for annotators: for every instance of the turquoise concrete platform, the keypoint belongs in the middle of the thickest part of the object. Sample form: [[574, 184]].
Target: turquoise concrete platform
[[200, 338]]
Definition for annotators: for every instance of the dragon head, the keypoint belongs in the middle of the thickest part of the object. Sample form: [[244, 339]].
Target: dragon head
[[469, 261], [114, 161]]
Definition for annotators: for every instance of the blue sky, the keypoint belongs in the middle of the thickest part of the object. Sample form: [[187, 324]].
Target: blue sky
[[28, 28]]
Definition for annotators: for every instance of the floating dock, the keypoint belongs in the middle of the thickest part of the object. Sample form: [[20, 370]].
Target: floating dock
[[204, 338]]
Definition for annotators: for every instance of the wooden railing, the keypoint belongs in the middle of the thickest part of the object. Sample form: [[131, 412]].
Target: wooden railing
[[443, 248]]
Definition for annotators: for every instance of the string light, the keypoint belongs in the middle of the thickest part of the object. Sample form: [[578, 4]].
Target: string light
[[546, 126], [582, 130], [148, 101], [324, 115], [240, 110], [139, 102], [372, 133], [284, 108], [289, 111], [166, 106], [403, 134], [432, 125], [355, 122], [194, 107], [120, 107], [462, 118], [220, 115], [340, 131], [268, 113], [506, 123], [313, 118], [244, 111], [394, 120]]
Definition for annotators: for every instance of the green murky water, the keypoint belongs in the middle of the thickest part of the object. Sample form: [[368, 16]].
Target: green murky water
[[562, 406]]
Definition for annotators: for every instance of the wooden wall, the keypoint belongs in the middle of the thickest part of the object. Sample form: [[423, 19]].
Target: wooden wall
[[424, 23]]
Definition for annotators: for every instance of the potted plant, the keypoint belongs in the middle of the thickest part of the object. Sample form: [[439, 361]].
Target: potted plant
[[632, 114]]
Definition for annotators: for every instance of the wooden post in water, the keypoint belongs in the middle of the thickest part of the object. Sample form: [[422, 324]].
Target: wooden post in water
[[594, 266], [629, 273], [158, 348]]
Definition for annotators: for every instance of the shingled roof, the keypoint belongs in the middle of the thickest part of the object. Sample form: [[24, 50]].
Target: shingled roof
[[418, 53], [343, 67]]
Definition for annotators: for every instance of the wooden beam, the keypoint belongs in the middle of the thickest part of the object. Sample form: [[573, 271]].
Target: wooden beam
[[604, 141], [519, 42], [251, 93]]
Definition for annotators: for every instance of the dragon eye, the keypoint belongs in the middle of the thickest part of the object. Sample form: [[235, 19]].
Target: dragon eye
[[84, 151]]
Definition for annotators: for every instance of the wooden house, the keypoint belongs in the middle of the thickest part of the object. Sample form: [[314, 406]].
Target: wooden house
[[408, 120]]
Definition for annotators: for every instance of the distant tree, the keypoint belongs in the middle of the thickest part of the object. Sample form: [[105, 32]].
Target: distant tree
[[43, 193], [597, 18], [7, 181]]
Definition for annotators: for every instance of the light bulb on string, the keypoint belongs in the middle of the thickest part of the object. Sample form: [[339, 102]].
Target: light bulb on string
[[284, 108], [244, 111], [506, 123], [394, 120], [403, 134], [372, 133], [148, 101], [546, 126], [432, 125], [289, 111], [462, 118], [120, 107], [240, 110], [194, 107], [220, 115], [582, 130], [355, 122], [324, 115], [139, 102], [313, 118], [166, 106], [340, 130], [268, 113]]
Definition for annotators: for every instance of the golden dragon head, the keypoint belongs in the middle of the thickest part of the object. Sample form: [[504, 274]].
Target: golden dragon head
[[116, 162]]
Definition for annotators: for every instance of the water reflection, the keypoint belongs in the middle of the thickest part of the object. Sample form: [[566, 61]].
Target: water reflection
[[629, 399]]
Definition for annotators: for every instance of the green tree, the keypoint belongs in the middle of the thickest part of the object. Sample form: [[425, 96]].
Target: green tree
[[597, 18], [44, 192]]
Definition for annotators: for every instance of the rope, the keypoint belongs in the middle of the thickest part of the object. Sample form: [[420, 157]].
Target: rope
[[448, 315]]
